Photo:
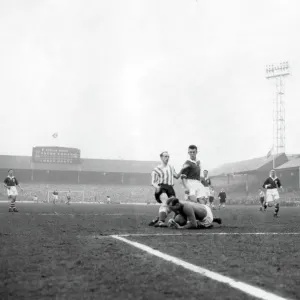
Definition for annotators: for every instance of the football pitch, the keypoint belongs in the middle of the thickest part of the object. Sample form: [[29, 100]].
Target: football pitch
[[94, 251]]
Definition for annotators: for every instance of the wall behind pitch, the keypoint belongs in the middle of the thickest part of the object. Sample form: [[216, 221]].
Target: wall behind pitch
[[289, 178]]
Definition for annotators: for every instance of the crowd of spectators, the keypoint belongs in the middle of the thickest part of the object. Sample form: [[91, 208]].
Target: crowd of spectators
[[129, 194]]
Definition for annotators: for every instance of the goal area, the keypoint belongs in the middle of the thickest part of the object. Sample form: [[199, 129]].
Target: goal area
[[76, 196]]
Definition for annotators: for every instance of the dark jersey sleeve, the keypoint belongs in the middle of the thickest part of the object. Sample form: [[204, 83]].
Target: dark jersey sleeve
[[16, 181], [278, 182], [6, 181], [265, 183]]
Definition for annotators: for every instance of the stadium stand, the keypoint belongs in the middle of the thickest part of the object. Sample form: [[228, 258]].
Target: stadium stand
[[90, 171], [129, 181], [260, 164], [241, 180], [124, 181], [289, 173]]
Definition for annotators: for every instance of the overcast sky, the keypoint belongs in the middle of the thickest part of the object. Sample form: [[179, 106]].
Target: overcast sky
[[131, 78]]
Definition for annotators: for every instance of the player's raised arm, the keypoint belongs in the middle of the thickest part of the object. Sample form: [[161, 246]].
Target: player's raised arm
[[184, 172], [178, 175]]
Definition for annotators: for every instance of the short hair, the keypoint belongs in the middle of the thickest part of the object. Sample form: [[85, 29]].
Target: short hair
[[205, 170], [10, 170], [193, 147], [161, 155], [173, 201]]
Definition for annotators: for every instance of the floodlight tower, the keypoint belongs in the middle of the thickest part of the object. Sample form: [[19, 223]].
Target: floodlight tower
[[279, 72]]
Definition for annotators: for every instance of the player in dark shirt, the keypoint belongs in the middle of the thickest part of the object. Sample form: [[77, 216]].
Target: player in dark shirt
[[272, 183], [68, 197], [191, 177], [261, 195], [222, 197], [191, 215], [211, 198], [55, 196], [11, 183], [206, 181]]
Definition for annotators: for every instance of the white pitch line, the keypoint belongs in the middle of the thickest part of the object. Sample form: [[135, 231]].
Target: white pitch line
[[244, 287], [206, 233]]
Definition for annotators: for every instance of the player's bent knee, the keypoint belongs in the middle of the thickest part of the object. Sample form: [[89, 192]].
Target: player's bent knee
[[163, 197], [164, 209], [179, 219]]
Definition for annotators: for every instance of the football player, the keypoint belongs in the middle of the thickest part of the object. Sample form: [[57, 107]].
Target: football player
[[163, 182], [222, 197], [261, 196], [11, 183], [191, 180], [211, 198], [191, 215], [272, 184], [206, 181], [55, 196], [68, 197]]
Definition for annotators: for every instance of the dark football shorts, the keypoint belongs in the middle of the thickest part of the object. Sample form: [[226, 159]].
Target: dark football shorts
[[262, 200], [222, 200], [167, 189], [211, 199]]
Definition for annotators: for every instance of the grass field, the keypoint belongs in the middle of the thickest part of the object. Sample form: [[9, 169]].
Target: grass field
[[68, 252]]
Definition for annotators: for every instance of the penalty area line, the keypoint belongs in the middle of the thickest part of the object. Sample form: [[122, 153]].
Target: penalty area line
[[205, 233], [241, 286]]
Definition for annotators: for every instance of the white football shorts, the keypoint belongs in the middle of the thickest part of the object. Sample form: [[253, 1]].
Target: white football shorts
[[272, 195], [12, 191], [196, 188], [208, 220], [207, 191], [163, 206]]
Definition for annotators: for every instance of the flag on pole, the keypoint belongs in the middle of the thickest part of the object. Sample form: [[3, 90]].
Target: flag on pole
[[269, 153], [55, 135]]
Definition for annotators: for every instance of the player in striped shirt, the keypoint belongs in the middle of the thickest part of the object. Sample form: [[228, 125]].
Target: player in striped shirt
[[163, 182], [11, 183]]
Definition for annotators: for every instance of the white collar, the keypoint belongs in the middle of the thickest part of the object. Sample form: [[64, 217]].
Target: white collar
[[163, 166], [194, 161], [273, 178]]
